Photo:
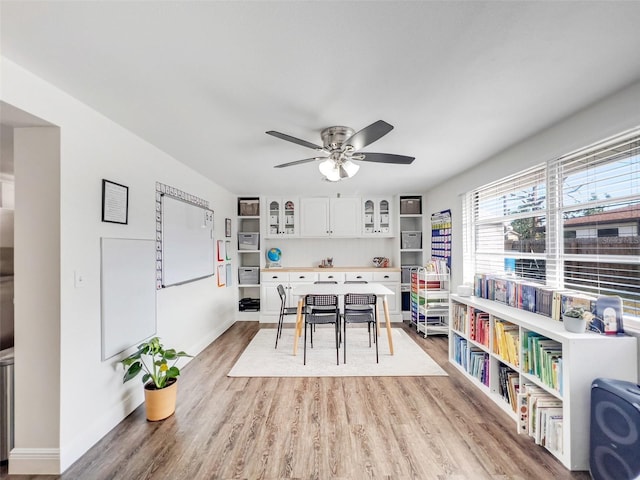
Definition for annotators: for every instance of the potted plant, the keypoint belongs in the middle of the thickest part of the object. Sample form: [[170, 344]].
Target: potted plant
[[575, 319], [159, 378]]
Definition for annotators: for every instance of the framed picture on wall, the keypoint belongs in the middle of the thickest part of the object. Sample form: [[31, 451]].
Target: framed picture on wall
[[115, 202], [227, 227]]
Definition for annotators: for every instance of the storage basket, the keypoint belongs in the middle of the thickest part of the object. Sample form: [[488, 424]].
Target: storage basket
[[248, 241], [249, 207], [411, 240], [249, 275], [410, 205]]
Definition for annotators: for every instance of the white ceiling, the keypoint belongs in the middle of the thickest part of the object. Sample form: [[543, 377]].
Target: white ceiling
[[204, 80]]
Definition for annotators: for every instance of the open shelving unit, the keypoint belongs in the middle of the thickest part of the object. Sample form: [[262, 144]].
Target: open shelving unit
[[518, 357], [249, 224], [411, 251]]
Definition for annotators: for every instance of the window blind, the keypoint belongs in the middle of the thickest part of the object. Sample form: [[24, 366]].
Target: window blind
[[572, 222]]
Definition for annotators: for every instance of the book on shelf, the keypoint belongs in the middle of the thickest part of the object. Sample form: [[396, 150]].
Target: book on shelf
[[500, 290], [544, 407], [544, 300], [608, 311], [528, 293]]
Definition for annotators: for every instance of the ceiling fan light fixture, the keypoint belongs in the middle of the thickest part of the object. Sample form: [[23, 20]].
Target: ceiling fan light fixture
[[350, 168], [329, 169]]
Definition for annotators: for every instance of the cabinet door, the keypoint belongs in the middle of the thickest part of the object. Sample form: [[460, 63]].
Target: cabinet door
[[270, 299], [376, 220], [290, 215], [368, 217], [298, 279], [383, 218], [282, 217], [314, 217], [274, 217], [345, 217], [393, 301]]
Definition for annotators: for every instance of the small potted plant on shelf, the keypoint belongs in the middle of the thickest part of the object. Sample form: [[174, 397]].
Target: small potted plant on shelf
[[159, 378], [575, 319]]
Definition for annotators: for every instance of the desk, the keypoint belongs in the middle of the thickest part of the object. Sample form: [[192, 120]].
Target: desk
[[341, 289]]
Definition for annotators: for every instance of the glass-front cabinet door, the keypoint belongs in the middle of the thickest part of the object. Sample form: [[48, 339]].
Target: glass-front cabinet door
[[282, 218], [376, 217], [384, 217], [368, 216]]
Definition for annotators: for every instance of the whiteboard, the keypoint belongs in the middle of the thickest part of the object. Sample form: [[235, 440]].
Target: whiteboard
[[127, 293], [187, 242]]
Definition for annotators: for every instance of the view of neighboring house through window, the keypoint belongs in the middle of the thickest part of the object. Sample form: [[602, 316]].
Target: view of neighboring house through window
[[570, 223]]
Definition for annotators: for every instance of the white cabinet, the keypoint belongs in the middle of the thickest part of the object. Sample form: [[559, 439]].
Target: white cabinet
[[376, 217], [330, 217], [391, 280], [490, 342], [283, 215], [270, 299], [270, 279]]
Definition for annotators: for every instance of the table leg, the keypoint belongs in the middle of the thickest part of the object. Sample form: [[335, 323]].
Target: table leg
[[385, 305], [298, 330]]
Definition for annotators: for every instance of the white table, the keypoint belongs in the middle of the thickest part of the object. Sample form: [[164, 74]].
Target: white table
[[341, 289]]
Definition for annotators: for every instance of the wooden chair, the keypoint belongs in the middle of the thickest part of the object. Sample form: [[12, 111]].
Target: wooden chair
[[330, 314], [360, 308]]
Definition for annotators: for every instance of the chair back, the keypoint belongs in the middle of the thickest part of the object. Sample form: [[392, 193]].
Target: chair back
[[283, 295], [360, 299], [332, 282], [355, 281], [321, 300]]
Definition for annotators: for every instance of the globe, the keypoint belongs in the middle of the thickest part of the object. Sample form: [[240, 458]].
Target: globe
[[274, 254]]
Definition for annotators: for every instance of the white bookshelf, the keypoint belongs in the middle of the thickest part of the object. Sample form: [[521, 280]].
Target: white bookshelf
[[585, 357]]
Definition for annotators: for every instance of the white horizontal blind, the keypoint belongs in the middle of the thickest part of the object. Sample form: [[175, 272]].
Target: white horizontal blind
[[571, 223], [600, 214], [509, 218]]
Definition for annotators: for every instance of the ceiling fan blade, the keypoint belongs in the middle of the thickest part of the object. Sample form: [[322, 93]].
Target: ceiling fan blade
[[289, 138], [298, 162], [368, 134], [383, 158]]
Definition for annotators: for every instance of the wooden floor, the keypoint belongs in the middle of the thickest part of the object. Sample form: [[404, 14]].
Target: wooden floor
[[318, 428]]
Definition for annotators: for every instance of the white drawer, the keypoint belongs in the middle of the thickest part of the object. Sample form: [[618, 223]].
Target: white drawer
[[386, 276], [302, 277], [358, 276], [331, 276], [274, 277]]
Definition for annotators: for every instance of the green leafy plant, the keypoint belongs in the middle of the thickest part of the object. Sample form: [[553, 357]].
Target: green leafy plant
[[574, 312], [153, 359]]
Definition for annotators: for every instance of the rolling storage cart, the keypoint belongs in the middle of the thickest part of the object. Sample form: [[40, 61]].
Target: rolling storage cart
[[430, 301]]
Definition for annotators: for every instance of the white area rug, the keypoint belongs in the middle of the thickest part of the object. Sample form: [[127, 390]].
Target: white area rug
[[261, 359]]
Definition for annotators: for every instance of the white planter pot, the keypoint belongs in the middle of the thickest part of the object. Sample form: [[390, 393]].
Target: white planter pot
[[575, 325]]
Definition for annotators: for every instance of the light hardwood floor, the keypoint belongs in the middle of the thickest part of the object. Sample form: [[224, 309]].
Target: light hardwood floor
[[317, 428]]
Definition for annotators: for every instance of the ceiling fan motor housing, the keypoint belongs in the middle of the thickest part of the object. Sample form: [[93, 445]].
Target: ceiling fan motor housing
[[334, 137]]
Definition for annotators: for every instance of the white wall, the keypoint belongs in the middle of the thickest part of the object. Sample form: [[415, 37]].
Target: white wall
[[91, 398], [611, 115], [346, 252]]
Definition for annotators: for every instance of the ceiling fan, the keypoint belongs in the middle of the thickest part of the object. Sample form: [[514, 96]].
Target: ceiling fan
[[342, 145]]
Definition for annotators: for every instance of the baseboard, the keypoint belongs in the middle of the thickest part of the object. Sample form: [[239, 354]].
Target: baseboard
[[34, 461], [40, 461], [105, 422], [206, 341]]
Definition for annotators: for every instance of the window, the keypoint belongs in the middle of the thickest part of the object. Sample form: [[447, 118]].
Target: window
[[510, 225], [573, 222]]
